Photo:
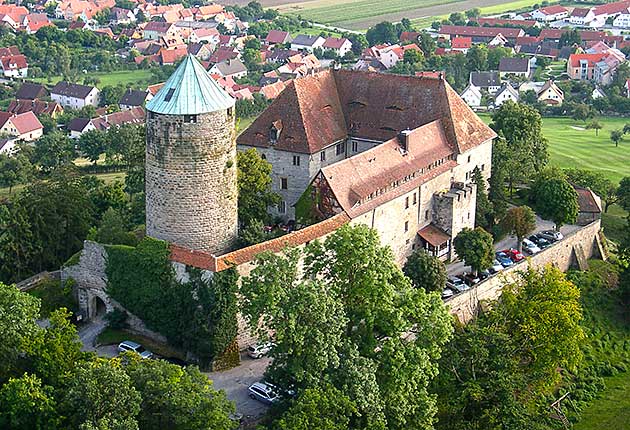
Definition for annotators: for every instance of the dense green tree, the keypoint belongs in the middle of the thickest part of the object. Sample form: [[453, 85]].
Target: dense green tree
[[477, 57], [596, 181], [17, 247], [526, 147], [18, 313], [177, 398], [112, 230], [484, 214], [425, 271], [457, 18], [499, 172], [473, 13], [92, 144], [53, 150], [111, 95], [616, 136], [254, 187], [14, 170], [413, 57], [25, 404], [495, 54], [556, 200], [127, 146], [570, 38], [623, 193], [426, 43], [384, 32], [595, 125], [519, 221], [324, 408], [253, 233], [581, 112], [358, 304], [101, 390], [475, 247], [251, 58]]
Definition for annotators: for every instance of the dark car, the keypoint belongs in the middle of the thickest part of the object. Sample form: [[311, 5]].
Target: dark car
[[540, 241], [504, 259], [175, 360], [456, 284], [471, 279]]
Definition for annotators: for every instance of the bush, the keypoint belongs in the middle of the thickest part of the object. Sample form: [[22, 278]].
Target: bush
[[116, 319]]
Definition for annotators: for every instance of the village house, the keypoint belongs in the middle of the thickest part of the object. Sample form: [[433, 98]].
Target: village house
[[233, 68], [550, 13], [38, 107], [120, 16], [155, 30], [480, 34], [275, 37], [78, 126], [303, 42], [461, 44], [505, 93], [74, 96], [488, 81], [340, 46], [598, 67], [210, 35], [24, 126], [31, 91], [472, 95], [34, 21], [13, 63], [12, 16], [550, 94], [134, 98], [622, 20], [581, 16], [514, 67], [203, 51], [299, 65]]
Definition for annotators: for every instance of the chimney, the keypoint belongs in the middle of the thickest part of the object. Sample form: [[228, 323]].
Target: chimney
[[403, 139]]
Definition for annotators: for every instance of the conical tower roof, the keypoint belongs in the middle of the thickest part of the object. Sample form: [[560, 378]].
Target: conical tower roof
[[190, 90]]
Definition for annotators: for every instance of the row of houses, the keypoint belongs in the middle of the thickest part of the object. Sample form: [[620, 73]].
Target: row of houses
[[497, 91]]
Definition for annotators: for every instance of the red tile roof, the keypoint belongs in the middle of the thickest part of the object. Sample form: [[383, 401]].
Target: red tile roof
[[26, 122], [172, 55], [592, 59], [434, 235], [38, 107], [14, 62], [553, 10], [9, 50], [612, 8], [409, 36], [461, 42], [464, 30], [500, 22], [586, 200], [334, 42], [277, 36]]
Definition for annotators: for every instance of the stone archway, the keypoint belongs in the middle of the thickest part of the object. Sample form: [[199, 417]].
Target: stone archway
[[99, 308]]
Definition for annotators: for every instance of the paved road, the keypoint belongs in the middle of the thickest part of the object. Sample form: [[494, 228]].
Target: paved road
[[236, 381], [89, 332], [458, 267]]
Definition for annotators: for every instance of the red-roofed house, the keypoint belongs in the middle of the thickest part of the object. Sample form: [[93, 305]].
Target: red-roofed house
[[480, 34], [581, 16], [34, 21], [210, 35], [12, 15], [582, 66], [14, 64], [340, 46], [105, 122], [24, 126], [275, 37], [155, 30], [461, 44], [550, 13]]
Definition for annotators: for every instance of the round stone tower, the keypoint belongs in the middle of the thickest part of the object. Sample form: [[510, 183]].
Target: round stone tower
[[191, 190]]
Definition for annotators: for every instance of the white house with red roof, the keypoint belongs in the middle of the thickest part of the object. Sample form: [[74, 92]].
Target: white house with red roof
[[13, 64], [24, 126], [550, 13], [340, 46], [210, 35], [461, 44]]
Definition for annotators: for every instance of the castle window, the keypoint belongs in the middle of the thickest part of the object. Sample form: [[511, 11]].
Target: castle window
[[340, 148], [230, 112], [469, 158], [322, 156], [483, 167], [263, 156], [282, 207], [406, 226], [414, 198], [190, 119], [151, 115], [426, 215], [296, 160], [355, 146], [284, 183], [406, 202]]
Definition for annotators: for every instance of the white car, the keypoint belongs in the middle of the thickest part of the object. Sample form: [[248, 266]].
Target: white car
[[447, 293], [496, 267], [530, 247], [551, 235], [128, 345], [260, 350], [263, 392]]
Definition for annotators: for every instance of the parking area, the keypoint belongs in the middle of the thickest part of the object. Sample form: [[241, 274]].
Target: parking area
[[235, 383]]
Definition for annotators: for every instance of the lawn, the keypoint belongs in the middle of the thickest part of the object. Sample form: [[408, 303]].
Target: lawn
[[136, 78], [612, 409], [570, 145], [614, 223], [107, 177]]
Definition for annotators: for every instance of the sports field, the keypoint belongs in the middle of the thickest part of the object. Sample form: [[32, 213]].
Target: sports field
[[137, 78], [570, 145]]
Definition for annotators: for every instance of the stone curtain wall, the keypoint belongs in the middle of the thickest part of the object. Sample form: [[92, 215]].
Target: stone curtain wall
[[191, 192], [573, 250]]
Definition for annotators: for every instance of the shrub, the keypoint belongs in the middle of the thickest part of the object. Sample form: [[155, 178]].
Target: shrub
[[116, 319]]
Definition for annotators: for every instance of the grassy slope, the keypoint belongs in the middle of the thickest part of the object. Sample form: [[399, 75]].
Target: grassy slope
[[137, 78], [569, 147], [612, 409]]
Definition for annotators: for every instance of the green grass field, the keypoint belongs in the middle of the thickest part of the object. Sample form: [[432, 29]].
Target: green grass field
[[572, 146], [612, 409], [137, 78]]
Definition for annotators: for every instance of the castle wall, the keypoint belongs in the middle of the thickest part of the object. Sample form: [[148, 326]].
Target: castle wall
[[479, 156], [191, 191]]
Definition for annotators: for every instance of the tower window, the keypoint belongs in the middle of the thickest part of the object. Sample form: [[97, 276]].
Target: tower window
[[341, 148], [406, 226], [426, 214], [191, 119], [414, 198], [322, 156], [282, 207], [169, 94], [284, 183], [296, 160], [355, 146], [406, 202]]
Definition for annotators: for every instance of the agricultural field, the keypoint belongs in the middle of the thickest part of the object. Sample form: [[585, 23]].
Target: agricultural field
[[571, 145], [138, 78]]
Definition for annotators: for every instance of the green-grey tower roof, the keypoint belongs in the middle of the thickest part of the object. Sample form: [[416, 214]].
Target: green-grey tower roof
[[190, 90]]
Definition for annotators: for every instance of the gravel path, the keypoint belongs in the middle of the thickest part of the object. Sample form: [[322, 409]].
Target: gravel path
[[89, 332]]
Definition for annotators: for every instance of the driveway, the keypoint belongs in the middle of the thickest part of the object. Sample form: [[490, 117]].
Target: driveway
[[458, 267], [235, 383], [90, 331]]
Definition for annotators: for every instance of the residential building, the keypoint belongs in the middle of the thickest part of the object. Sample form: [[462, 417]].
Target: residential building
[[24, 126], [488, 81], [13, 63], [461, 44], [275, 37], [340, 46], [505, 93], [515, 67], [480, 34], [581, 16], [550, 13], [134, 98], [303, 42], [622, 20], [155, 30], [233, 68], [78, 126], [74, 96], [31, 91], [550, 94], [472, 96], [38, 107]]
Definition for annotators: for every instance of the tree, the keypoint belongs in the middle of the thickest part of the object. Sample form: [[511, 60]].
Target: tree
[[383, 32], [499, 172], [17, 248], [92, 144], [526, 147], [14, 170], [581, 112], [473, 13], [324, 408], [18, 313], [596, 181], [457, 18], [128, 145], [477, 57], [341, 321], [425, 271], [412, 56], [616, 136], [111, 95], [254, 187], [542, 313], [495, 54], [177, 398], [475, 247], [623, 193], [251, 58], [426, 43], [112, 230], [519, 221], [101, 390], [557, 200], [253, 233], [484, 216], [570, 38], [53, 150], [595, 125], [25, 404]]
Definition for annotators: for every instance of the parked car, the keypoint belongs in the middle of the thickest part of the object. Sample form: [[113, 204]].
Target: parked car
[[504, 259], [447, 293], [551, 235], [530, 247], [259, 350], [456, 284], [175, 360], [496, 266], [484, 274], [514, 254], [470, 279], [540, 241], [263, 392], [128, 345]]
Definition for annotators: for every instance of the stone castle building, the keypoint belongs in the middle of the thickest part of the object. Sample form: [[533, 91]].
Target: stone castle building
[[191, 191]]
